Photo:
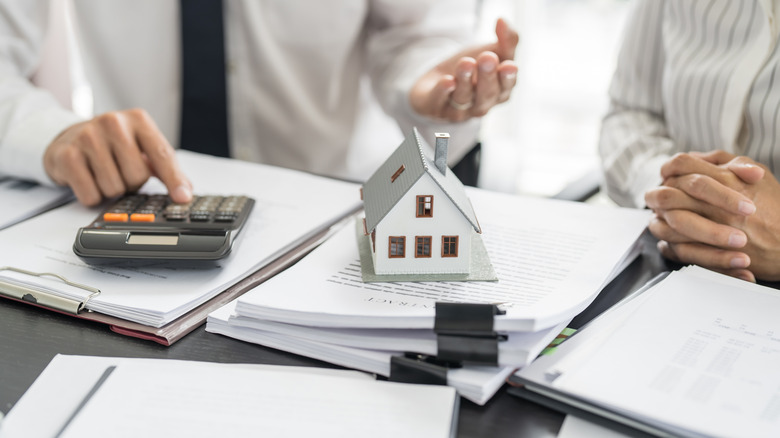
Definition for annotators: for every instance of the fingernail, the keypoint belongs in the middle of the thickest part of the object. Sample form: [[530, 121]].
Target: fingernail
[[747, 208], [466, 74], [487, 67], [739, 262], [182, 193], [737, 240], [510, 76]]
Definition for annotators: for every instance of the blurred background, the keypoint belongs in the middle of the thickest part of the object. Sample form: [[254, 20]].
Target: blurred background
[[546, 136], [540, 141]]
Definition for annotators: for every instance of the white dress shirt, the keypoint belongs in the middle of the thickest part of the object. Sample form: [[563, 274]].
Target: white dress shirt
[[691, 76], [294, 67]]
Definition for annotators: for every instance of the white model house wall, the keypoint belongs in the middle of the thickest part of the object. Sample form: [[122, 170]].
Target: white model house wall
[[447, 220]]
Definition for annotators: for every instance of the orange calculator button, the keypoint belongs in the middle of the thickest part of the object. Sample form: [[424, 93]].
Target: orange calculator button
[[142, 217], [115, 217]]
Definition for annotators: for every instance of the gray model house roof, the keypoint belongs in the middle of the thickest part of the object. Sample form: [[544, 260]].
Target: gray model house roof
[[381, 193]]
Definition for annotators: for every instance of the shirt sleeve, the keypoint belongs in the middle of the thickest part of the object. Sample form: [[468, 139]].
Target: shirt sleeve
[[406, 40], [30, 117], [634, 141]]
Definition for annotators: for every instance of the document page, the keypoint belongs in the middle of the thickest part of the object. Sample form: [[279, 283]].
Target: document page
[[702, 353], [551, 257], [206, 400], [290, 206], [20, 200], [519, 349], [217, 393]]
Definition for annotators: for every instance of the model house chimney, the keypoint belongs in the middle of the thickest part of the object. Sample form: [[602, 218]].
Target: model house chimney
[[440, 154]]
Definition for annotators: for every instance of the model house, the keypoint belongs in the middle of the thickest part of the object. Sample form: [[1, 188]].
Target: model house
[[417, 215]]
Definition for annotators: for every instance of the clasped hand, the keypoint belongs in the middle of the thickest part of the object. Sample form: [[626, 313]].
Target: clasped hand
[[719, 211]]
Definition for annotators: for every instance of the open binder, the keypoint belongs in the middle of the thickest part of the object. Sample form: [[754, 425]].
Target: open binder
[[163, 301]]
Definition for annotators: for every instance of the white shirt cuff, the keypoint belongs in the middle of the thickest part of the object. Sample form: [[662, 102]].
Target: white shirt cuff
[[21, 154]]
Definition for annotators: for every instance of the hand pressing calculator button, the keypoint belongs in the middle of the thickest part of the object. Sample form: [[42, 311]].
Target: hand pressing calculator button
[[144, 226]]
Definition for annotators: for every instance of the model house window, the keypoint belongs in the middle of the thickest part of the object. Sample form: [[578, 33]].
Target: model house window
[[449, 246], [422, 246], [397, 246], [425, 206]]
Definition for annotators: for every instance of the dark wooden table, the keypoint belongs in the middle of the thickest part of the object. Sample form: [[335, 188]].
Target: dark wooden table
[[31, 337]]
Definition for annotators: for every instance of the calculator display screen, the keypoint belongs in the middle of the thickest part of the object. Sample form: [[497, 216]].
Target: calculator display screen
[[146, 239]]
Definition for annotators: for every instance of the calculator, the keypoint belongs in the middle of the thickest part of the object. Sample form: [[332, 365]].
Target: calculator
[[144, 226]]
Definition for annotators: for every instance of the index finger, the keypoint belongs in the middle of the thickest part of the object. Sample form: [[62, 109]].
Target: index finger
[[162, 160], [714, 157], [684, 164], [708, 190], [689, 164]]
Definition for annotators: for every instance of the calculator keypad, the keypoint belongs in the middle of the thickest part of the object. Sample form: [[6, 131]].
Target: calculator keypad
[[159, 208]]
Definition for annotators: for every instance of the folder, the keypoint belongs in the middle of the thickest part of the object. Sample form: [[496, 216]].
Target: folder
[[163, 301], [694, 354], [173, 331]]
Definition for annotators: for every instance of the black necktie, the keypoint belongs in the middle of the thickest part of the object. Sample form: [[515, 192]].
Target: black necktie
[[204, 123]]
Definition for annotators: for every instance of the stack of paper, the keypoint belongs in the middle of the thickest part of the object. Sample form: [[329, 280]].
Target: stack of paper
[[695, 355], [98, 397], [25, 199], [552, 259], [290, 207]]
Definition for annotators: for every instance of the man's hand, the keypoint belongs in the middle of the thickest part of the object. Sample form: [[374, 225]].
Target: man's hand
[[471, 82], [112, 154], [721, 212]]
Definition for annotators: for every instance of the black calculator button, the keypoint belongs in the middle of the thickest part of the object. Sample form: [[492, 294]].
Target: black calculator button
[[200, 216], [225, 217], [159, 209]]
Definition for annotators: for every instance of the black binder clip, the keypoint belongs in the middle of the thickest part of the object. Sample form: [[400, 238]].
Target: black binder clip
[[465, 332], [420, 368]]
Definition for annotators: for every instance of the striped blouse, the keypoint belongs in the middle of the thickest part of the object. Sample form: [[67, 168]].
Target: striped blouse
[[692, 75]]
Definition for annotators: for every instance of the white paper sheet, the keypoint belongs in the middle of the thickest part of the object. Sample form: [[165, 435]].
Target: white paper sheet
[[23, 199], [575, 427], [518, 350], [552, 259], [701, 353], [289, 207], [150, 397]]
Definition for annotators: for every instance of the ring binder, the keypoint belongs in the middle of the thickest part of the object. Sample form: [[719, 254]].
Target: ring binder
[[16, 291]]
